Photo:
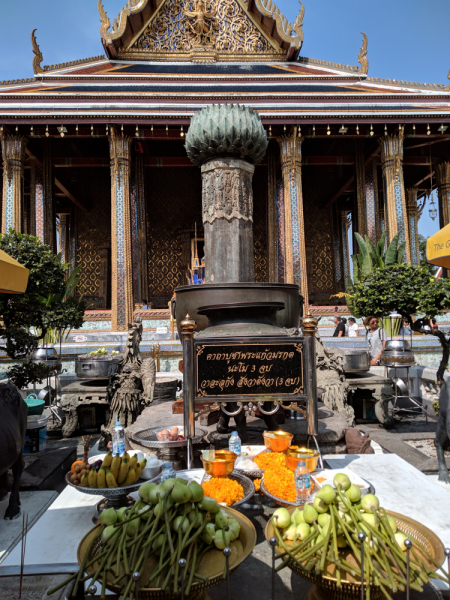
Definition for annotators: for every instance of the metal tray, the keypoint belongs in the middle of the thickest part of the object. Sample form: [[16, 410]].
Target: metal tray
[[247, 484], [110, 494], [148, 439]]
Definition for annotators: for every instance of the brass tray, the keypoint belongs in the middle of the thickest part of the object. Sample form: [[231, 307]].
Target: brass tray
[[421, 536], [241, 549]]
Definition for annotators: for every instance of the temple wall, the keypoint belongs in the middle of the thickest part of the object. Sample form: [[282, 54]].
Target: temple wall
[[93, 232]]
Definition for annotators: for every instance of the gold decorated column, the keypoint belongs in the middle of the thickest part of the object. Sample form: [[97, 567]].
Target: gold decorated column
[[294, 224], [413, 222], [443, 183], [394, 189], [13, 151], [121, 255]]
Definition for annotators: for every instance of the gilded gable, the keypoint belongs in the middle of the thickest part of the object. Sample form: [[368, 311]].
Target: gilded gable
[[202, 31]]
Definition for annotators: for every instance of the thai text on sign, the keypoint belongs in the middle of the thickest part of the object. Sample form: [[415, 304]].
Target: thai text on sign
[[249, 369]]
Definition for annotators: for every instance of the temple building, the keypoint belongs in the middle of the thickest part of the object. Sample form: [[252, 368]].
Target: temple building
[[94, 162]]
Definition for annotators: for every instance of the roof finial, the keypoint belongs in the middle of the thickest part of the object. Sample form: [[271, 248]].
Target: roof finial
[[103, 19], [447, 87], [362, 57], [38, 58], [298, 25]]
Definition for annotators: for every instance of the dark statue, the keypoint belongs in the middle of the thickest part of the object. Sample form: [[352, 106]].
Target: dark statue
[[132, 386], [13, 425]]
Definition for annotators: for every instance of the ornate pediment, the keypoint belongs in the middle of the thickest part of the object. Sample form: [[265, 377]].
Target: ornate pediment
[[202, 31]]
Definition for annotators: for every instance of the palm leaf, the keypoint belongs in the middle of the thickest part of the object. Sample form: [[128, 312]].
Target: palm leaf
[[401, 252], [356, 270], [361, 244], [391, 254], [372, 250], [367, 266]]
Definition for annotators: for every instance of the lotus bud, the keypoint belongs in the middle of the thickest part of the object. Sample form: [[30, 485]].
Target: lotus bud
[[108, 517]]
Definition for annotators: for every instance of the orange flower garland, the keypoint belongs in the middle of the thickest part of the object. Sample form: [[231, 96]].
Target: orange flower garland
[[280, 483], [270, 460], [223, 490]]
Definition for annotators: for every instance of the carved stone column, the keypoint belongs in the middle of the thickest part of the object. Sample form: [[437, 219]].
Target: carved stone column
[[295, 251], [139, 231], [272, 216], [443, 182], [13, 151], [394, 189], [228, 220], [413, 222], [121, 255]]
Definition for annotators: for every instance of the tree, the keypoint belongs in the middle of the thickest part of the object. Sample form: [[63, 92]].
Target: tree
[[408, 290], [423, 255], [47, 306], [371, 257]]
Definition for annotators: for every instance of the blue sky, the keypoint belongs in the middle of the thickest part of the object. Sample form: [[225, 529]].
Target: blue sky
[[408, 39]]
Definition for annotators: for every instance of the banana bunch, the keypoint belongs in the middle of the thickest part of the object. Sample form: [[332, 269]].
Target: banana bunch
[[114, 471]]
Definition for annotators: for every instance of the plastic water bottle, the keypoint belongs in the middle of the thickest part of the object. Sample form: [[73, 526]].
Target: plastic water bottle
[[235, 443], [167, 472], [118, 438], [302, 481]]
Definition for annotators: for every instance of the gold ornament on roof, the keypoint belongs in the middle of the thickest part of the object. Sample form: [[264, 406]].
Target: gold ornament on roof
[[201, 21], [103, 19], [38, 58], [362, 57]]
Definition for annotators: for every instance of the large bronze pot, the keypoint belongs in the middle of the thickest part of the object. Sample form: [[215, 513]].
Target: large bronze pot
[[190, 298]]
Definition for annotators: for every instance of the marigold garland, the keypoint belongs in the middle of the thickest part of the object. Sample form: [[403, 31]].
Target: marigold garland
[[270, 460], [223, 490], [280, 483]]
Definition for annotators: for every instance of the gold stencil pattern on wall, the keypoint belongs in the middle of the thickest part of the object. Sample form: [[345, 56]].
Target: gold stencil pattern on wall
[[260, 223], [173, 205], [319, 234], [224, 26], [93, 226]]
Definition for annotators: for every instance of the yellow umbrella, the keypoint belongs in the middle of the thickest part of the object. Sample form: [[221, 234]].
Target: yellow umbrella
[[13, 276], [438, 248]]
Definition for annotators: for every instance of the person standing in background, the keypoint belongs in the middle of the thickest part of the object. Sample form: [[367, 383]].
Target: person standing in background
[[376, 339], [353, 329], [340, 327]]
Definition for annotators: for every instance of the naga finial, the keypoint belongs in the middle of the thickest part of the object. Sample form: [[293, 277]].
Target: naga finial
[[298, 25], [362, 57], [447, 87], [38, 58], [103, 19]]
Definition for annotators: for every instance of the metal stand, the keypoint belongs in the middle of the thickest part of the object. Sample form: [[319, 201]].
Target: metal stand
[[188, 328], [417, 407]]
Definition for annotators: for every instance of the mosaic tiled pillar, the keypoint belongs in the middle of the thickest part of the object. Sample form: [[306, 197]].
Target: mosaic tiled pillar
[[121, 252], [280, 231], [443, 182], [294, 225], [63, 246], [337, 251], [371, 202], [72, 243], [139, 231], [413, 222], [272, 217], [13, 150], [345, 225], [48, 207], [394, 189], [360, 225]]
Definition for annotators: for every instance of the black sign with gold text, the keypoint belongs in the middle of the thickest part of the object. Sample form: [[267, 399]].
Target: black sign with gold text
[[226, 369]]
